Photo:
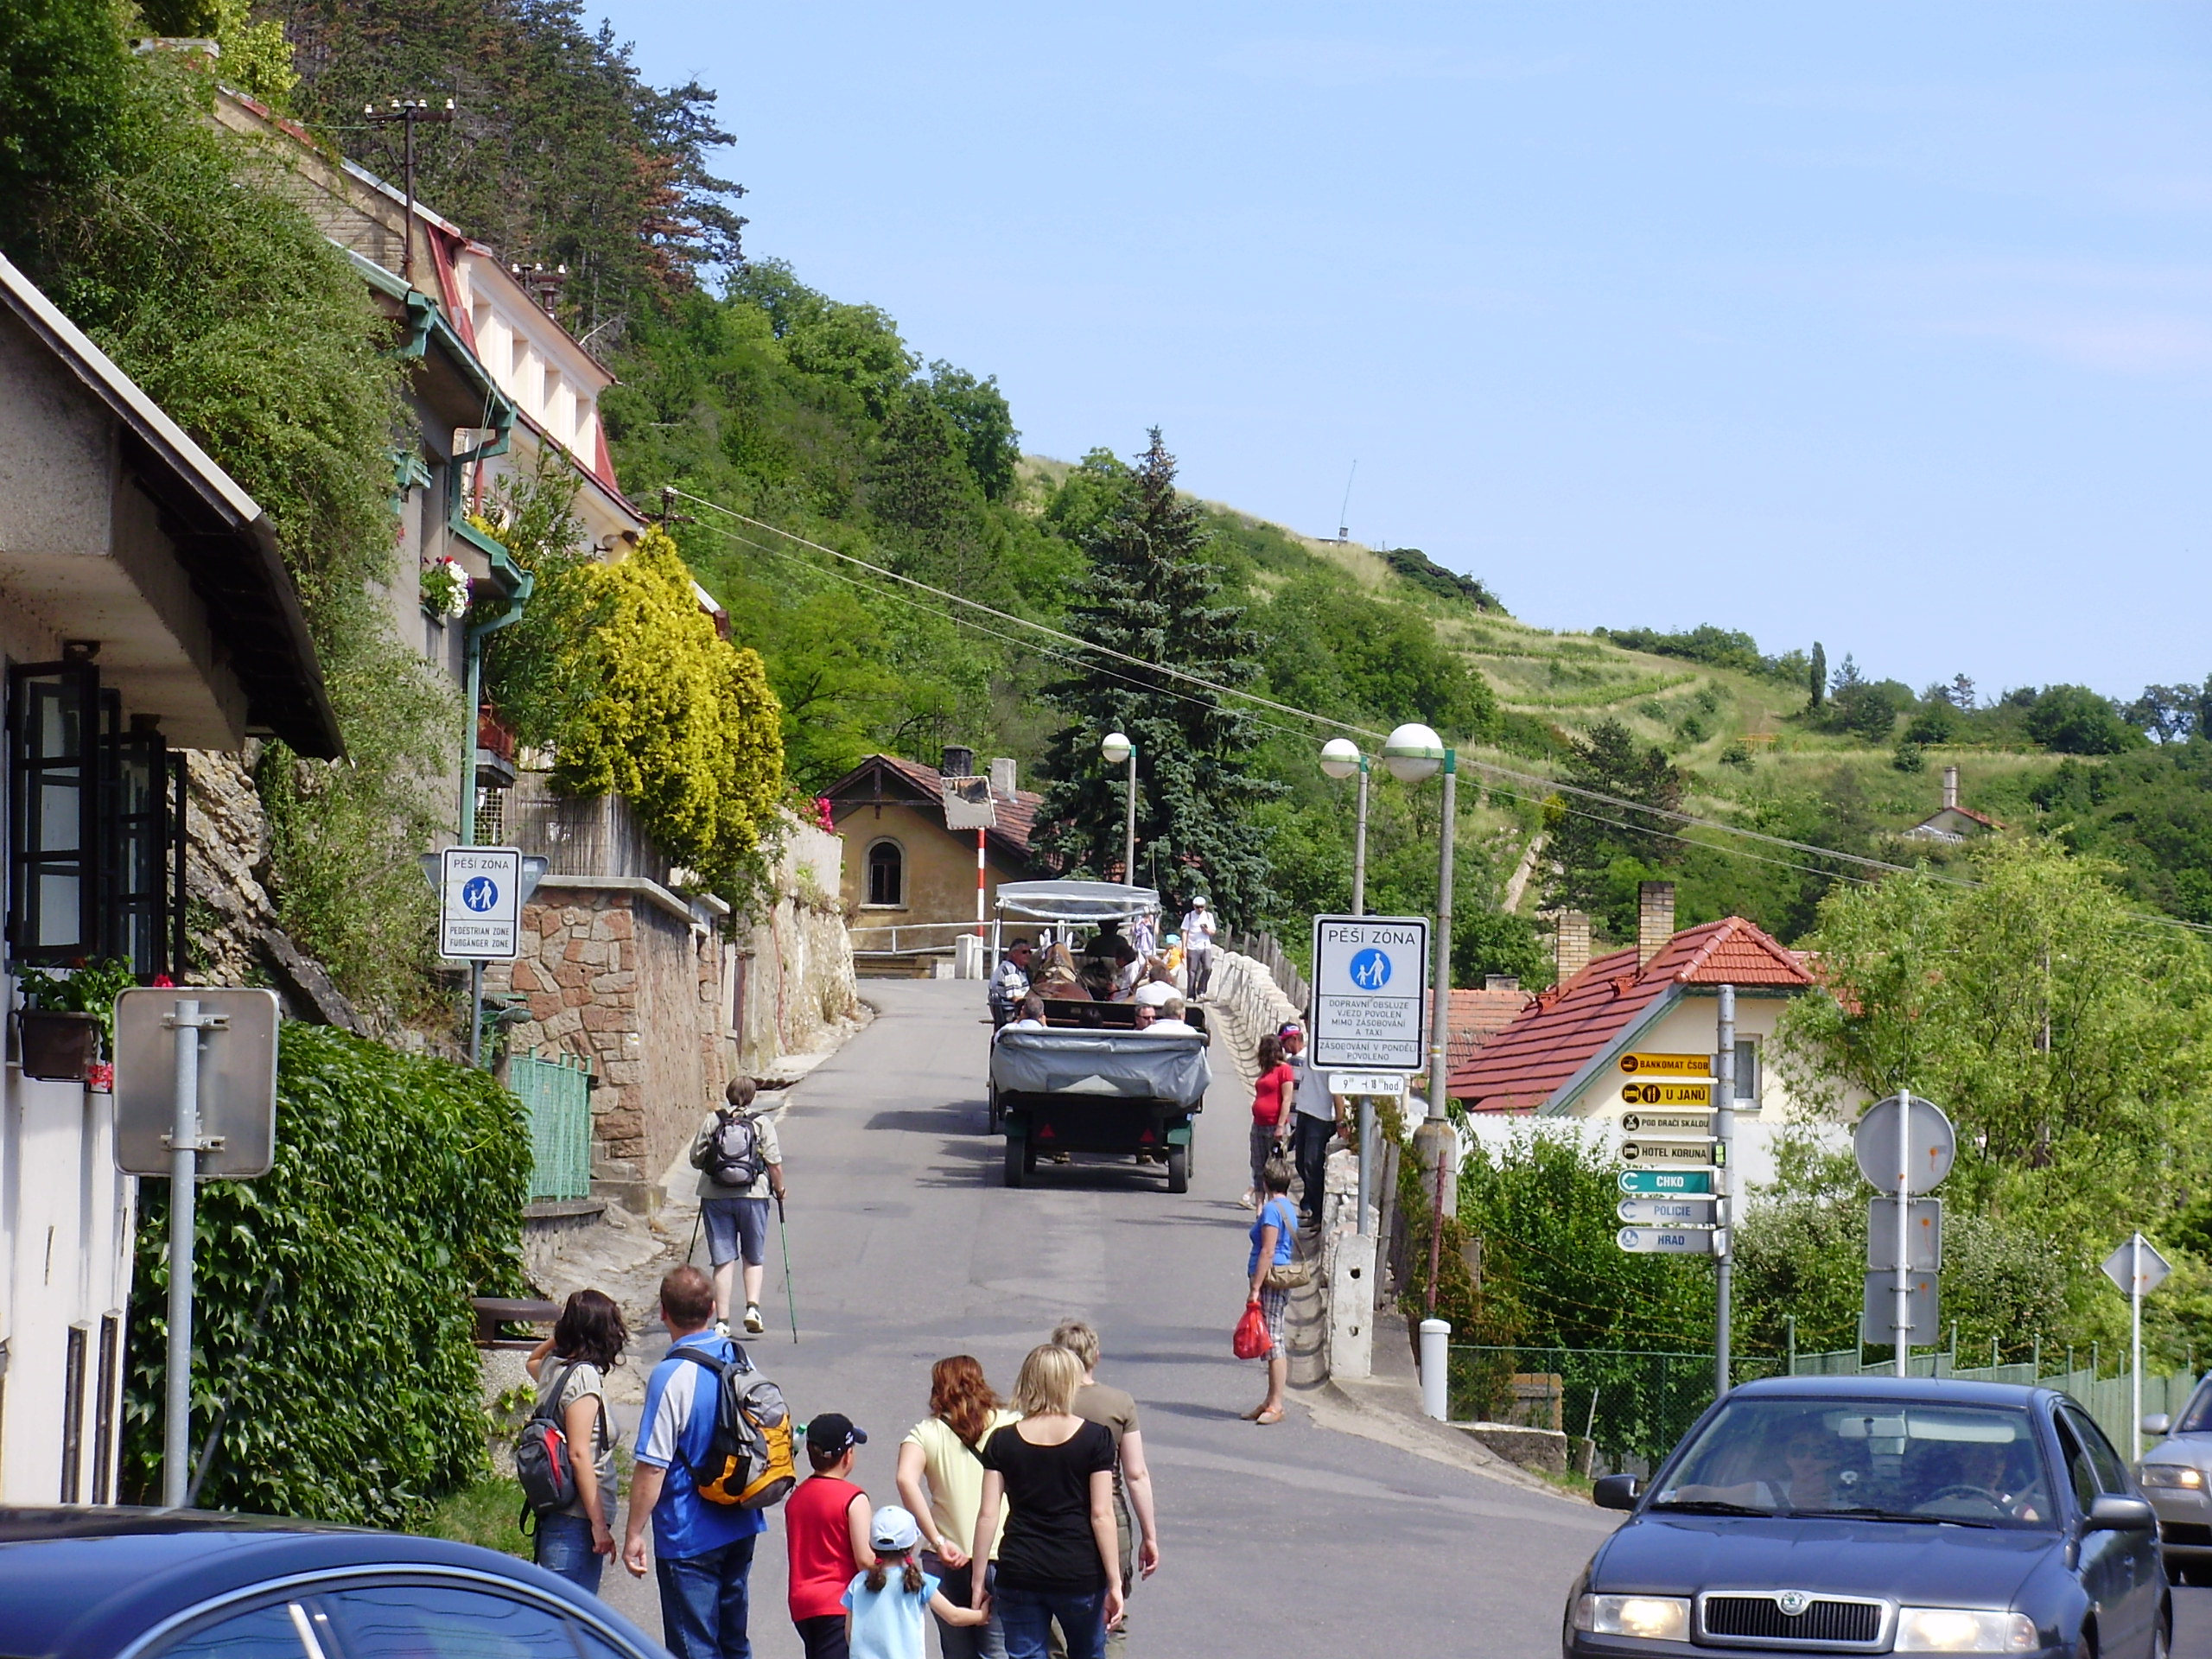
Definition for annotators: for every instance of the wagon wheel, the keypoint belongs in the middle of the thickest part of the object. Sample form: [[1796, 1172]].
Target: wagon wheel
[[1179, 1169]]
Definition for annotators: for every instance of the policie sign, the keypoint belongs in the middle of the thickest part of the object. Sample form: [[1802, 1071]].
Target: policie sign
[[1370, 993], [480, 903]]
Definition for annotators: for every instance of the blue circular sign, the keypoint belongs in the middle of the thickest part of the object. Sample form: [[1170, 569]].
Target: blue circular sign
[[479, 893], [1370, 970]]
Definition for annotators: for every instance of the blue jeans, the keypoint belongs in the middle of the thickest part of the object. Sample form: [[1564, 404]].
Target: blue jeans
[[564, 1547], [1027, 1616], [702, 1602]]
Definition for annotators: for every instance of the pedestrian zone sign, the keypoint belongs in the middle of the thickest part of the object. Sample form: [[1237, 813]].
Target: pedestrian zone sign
[[480, 903], [1370, 993]]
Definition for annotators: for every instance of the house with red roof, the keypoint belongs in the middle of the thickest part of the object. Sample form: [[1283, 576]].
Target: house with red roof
[[904, 867], [1952, 822], [1560, 1055]]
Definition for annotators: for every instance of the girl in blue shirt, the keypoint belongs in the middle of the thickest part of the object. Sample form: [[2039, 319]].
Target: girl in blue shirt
[[1275, 1243]]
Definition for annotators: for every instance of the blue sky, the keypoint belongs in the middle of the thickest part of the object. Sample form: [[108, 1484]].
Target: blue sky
[[1886, 324]]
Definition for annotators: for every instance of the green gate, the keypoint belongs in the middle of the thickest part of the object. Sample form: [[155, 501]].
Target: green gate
[[555, 1097]]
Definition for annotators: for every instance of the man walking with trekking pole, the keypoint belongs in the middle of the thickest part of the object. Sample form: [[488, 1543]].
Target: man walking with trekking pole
[[702, 1552]]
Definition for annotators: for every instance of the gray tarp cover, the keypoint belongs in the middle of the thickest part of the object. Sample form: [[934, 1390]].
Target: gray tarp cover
[[1126, 1064]]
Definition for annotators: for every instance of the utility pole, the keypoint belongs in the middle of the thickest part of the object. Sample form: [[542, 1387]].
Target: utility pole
[[407, 113]]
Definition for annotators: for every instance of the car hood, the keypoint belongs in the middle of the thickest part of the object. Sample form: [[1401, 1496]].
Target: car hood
[[1680, 1554]]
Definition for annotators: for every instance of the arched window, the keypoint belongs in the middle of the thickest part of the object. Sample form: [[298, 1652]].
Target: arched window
[[886, 874]]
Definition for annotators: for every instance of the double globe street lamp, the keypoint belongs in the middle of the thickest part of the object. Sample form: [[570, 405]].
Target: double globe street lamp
[[1415, 753]]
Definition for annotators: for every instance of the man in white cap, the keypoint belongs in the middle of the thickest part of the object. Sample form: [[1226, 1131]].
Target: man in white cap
[[1315, 1117], [1198, 946]]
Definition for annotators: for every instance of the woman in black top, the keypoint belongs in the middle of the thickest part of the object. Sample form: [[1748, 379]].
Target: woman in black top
[[1060, 1559]]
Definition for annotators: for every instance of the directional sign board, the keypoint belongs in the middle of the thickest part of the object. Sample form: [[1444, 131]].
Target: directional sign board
[[2120, 1267], [1666, 1066], [1370, 994], [1669, 1126], [1931, 1147], [1665, 1241], [1923, 1225], [1665, 1182], [237, 1080], [1880, 1311], [480, 903], [1354, 1084], [1666, 1094], [1670, 1155], [1667, 1213]]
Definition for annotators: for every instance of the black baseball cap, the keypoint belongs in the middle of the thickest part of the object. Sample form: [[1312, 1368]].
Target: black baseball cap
[[834, 1434]]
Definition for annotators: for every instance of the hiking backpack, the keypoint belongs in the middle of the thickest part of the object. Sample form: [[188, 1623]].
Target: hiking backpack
[[749, 1463], [734, 1155]]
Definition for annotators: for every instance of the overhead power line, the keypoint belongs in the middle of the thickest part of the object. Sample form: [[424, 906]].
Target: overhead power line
[[1551, 786]]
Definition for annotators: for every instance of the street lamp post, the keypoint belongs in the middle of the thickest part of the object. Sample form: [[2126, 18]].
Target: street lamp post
[[1413, 753], [1116, 747], [1340, 757]]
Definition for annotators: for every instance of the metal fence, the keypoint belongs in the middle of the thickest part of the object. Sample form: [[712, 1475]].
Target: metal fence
[[555, 1097], [1632, 1404], [2107, 1399]]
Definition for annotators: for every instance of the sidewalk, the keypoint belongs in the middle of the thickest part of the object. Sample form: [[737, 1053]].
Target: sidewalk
[[1386, 1408]]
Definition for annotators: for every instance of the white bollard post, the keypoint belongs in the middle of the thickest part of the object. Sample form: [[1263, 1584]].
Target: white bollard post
[[1435, 1362]]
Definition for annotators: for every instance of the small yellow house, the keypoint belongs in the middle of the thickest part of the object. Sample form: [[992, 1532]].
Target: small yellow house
[[904, 867]]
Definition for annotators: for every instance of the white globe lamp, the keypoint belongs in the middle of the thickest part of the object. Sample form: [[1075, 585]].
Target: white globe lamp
[[1340, 757], [1116, 747], [1413, 752]]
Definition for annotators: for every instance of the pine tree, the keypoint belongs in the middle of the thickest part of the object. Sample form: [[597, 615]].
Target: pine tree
[[1151, 593], [1816, 678]]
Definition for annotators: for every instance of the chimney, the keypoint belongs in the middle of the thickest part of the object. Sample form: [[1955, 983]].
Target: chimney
[[1003, 777], [1655, 920], [1571, 941], [1950, 787], [957, 762], [1501, 982]]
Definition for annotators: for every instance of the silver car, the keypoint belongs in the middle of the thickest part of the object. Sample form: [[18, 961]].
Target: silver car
[[2177, 1476]]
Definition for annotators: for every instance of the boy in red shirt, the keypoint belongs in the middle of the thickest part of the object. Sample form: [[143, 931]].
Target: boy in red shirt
[[826, 1534]]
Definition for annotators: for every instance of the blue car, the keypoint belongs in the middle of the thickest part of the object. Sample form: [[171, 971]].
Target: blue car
[[125, 1584], [1818, 1514]]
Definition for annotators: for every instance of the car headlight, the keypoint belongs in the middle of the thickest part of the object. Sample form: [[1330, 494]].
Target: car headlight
[[2172, 1474], [1655, 1619], [1963, 1629]]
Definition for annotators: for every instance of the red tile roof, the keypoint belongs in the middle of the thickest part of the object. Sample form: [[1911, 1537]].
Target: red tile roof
[[1478, 1016], [1558, 1032], [1017, 817]]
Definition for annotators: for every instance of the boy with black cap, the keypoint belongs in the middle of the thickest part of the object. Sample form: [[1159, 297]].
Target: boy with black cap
[[826, 1534]]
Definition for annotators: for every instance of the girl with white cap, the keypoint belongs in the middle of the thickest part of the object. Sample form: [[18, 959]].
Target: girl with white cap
[[884, 1604]]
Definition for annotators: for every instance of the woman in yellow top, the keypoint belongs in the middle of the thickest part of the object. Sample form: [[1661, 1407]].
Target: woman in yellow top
[[941, 1484]]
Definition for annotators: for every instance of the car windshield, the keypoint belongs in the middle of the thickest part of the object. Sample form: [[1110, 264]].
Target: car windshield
[[2196, 1416], [1972, 1466]]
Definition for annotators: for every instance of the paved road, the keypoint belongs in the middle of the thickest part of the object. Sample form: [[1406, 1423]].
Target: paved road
[[1291, 1540]]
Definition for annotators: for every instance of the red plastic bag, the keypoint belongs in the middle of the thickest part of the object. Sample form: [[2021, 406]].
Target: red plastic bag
[[1251, 1340]]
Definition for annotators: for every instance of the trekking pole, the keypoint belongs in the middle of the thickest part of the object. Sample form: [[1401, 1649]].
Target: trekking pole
[[692, 1248], [785, 1233]]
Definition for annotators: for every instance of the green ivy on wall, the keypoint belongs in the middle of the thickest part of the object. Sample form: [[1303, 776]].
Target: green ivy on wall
[[397, 1196], [680, 723]]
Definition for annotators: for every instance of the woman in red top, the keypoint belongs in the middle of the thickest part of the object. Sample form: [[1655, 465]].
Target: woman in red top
[[826, 1535], [1271, 1101]]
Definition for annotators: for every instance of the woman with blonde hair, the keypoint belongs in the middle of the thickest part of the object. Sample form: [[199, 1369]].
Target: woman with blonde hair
[[1059, 1560], [941, 1482]]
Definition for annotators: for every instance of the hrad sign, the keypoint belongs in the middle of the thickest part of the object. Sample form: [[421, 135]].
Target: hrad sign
[[1370, 993]]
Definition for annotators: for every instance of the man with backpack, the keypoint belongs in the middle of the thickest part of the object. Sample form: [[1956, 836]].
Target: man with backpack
[[740, 1168], [702, 1539]]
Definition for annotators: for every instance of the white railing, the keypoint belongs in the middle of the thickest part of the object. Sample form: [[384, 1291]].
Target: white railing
[[920, 939]]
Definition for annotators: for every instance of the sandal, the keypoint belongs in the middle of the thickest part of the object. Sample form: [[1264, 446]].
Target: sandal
[[1253, 1415], [1272, 1415]]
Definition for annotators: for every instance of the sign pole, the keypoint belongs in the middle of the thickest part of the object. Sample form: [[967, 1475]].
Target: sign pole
[[2135, 1346], [1441, 1020], [475, 1014], [1366, 1136], [1902, 1317], [1724, 1132], [184, 1191]]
